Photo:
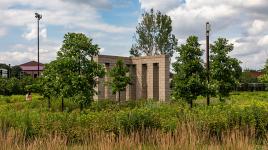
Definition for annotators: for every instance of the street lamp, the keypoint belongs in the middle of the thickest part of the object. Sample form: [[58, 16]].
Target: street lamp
[[208, 29], [39, 17]]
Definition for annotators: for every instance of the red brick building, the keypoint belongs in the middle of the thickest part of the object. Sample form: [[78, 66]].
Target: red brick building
[[255, 74], [31, 68]]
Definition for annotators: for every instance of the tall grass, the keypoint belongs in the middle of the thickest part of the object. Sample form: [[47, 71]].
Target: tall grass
[[186, 136], [240, 123]]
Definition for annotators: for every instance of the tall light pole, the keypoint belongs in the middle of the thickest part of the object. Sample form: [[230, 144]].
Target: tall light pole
[[208, 28], [39, 17]]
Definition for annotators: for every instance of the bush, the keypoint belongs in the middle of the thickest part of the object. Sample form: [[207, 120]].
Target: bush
[[34, 119]]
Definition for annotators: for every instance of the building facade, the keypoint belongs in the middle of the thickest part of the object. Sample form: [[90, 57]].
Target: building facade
[[31, 68], [149, 77], [4, 73]]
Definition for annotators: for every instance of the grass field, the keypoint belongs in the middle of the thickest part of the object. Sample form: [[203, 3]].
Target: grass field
[[239, 123]]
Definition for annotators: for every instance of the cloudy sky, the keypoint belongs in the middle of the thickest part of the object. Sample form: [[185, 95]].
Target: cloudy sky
[[111, 24]]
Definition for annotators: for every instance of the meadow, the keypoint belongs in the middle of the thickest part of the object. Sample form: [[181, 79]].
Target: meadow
[[241, 122]]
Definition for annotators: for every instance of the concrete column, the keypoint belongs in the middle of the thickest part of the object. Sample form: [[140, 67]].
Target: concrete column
[[106, 79], [139, 81], [111, 95], [129, 87], [101, 89], [150, 81], [164, 79]]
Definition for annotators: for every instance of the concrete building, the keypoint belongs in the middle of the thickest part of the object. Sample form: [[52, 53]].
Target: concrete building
[[31, 68], [3, 73], [149, 74]]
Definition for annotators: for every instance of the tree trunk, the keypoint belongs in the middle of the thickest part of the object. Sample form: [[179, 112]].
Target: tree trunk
[[62, 104], [191, 103], [48, 103], [119, 97], [81, 106]]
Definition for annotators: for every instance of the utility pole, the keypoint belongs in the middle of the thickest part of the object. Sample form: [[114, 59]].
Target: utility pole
[[39, 17], [207, 57], [9, 71]]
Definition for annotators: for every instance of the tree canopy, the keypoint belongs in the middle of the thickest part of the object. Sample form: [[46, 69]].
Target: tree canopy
[[154, 35], [74, 72], [119, 77], [225, 70], [189, 78]]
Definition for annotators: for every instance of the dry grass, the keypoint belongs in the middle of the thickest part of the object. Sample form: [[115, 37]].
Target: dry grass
[[185, 137]]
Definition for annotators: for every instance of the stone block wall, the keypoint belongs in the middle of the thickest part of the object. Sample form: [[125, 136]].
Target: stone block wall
[[149, 74]]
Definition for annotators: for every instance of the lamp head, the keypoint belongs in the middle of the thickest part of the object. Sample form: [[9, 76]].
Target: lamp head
[[38, 16], [208, 27]]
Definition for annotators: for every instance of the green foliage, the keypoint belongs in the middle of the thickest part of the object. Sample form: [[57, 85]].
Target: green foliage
[[16, 72], [74, 72], [225, 70], [245, 111], [153, 35], [119, 77], [189, 79], [263, 78], [13, 85]]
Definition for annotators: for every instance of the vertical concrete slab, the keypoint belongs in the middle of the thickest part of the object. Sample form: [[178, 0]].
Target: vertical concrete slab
[[156, 80], [106, 80], [164, 79], [144, 81], [150, 81], [139, 81]]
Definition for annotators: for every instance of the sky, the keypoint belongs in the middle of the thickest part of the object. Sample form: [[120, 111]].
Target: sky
[[111, 24]]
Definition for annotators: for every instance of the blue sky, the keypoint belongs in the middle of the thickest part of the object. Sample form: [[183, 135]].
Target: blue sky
[[111, 24]]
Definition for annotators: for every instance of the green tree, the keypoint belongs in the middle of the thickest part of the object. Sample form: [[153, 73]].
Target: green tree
[[16, 72], [4, 66], [154, 35], [189, 78], [225, 70], [119, 78], [74, 71], [49, 85], [264, 78]]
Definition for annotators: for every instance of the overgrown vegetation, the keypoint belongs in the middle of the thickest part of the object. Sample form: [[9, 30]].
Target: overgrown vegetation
[[243, 113], [9, 86]]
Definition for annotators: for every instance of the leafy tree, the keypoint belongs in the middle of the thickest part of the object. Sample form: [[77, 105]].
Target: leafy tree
[[153, 35], [16, 72], [4, 66], [225, 70], [189, 78], [48, 84], [263, 78], [74, 71], [119, 78], [265, 69], [10, 86]]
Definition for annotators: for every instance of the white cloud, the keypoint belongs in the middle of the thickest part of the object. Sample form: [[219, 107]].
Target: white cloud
[[20, 53], [32, 32], [161, 5], [256, 27], [69, 15], [3, 32], [263, 41], [244, 22]]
